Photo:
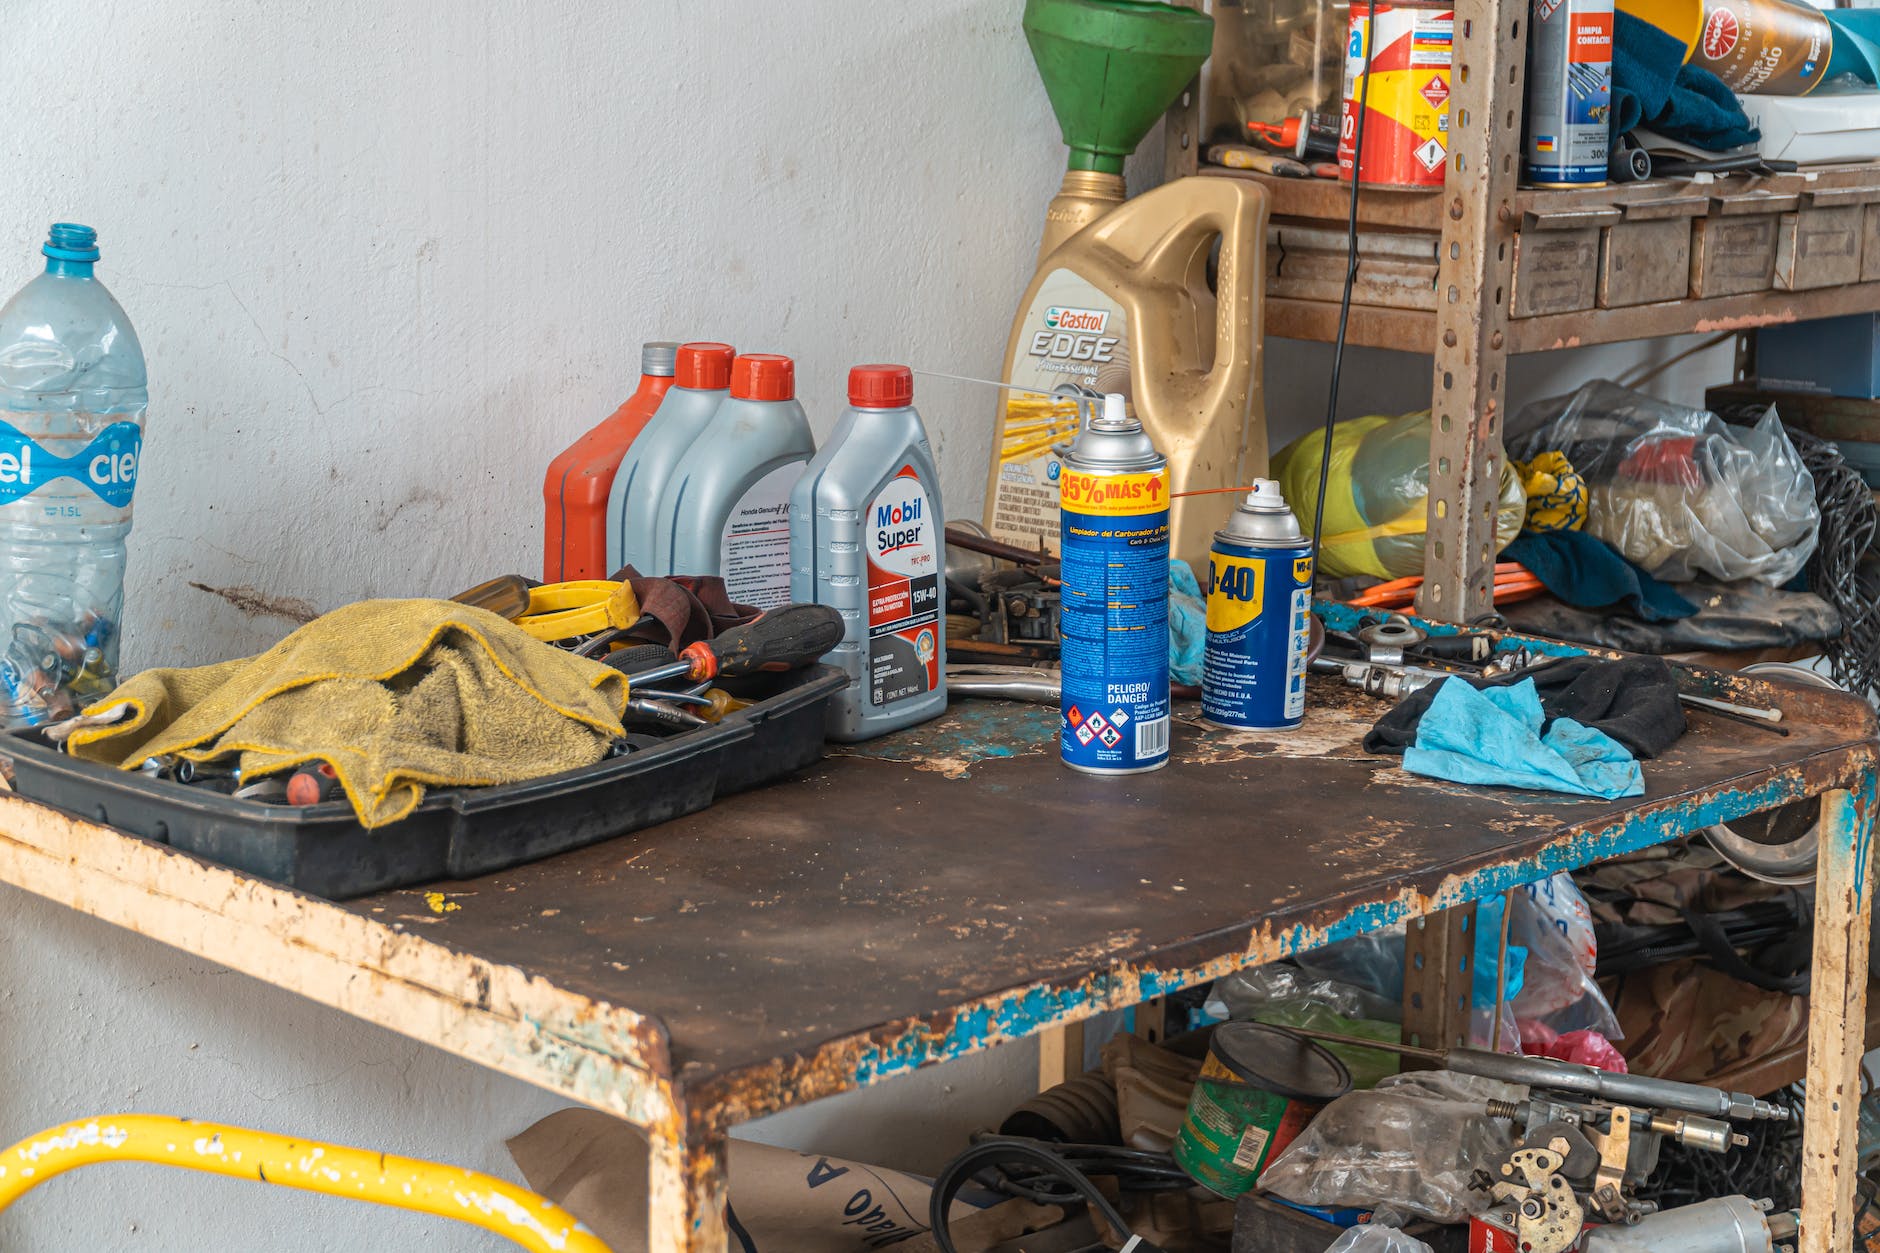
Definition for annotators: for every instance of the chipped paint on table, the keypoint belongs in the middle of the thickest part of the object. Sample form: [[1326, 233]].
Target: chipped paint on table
[[919, 898]]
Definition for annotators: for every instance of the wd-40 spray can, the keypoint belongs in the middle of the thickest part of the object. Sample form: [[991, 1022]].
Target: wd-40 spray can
[[1113, 510], [1259, 615], [1569, 97]]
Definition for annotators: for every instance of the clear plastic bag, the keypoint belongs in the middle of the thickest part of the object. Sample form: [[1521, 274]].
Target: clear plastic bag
[[1376, 499], [1412, 1142], [1676, 490], [1246, 992], [1553, 922], [1373, 962], [1372, 1238], [1285, 996]]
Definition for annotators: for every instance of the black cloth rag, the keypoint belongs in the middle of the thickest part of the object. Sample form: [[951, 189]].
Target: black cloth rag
[[1633, 699]]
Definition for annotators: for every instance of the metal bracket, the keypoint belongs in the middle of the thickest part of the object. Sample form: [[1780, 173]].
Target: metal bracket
[[1438, 969]]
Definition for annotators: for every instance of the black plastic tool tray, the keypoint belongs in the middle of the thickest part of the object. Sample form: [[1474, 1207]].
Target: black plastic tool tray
[[454, 833]]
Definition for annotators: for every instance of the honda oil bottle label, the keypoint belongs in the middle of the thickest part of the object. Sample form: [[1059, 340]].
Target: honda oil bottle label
[[904, 601], [1115, 541], [1071, 334], [1259, 617], [754, 550], [107, 465]]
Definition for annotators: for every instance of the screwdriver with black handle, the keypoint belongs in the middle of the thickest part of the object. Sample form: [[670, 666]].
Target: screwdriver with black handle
[[776, 640]]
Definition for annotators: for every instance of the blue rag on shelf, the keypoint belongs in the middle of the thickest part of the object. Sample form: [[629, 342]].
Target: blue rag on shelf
[[1652, 86], [1493, 736], [1588, 573], [1187, 624]]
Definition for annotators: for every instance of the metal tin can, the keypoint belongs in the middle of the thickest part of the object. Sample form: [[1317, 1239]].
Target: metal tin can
[[1569, 97], [1258, 1088], [1410, 47], [1259, 590], [1113, 528]]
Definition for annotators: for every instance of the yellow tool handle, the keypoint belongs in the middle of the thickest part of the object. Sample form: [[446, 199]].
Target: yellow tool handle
[[558, 611], [534, 1222]]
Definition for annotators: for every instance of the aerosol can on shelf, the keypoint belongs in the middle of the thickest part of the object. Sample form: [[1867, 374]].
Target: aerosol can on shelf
[[866, 537], [1114, 706], [1140, 304], [1259, 590], [726, 506]]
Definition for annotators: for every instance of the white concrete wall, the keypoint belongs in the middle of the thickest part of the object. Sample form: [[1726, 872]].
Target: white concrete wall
[[386, 260]]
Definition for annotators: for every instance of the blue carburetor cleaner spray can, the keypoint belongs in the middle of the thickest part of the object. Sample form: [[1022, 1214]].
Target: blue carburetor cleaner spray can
[[1259, 591], [1113, 529]]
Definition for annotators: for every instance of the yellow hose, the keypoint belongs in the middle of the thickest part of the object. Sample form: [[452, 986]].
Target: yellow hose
[[515, 1213]]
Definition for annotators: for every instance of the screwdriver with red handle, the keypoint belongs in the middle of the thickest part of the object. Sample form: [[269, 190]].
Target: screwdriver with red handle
[[776, 640]]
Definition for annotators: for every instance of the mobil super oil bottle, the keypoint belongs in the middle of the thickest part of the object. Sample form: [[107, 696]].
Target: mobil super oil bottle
[[72, 399], [1113, 537], [866, 536], [1259, 591]]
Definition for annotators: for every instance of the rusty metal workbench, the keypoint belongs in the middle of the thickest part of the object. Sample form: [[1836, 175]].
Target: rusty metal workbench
[[951, 888]]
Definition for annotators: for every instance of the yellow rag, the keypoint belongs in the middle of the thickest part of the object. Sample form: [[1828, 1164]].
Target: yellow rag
[[1556, 492], [397, 694]]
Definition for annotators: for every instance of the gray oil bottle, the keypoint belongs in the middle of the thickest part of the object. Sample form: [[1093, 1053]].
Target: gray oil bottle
[[867, 534], [726, 508], [701, 377]]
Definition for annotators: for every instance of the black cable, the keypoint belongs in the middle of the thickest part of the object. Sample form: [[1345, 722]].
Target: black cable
[[1004, 1150], [1351, 279], [1850, 524]]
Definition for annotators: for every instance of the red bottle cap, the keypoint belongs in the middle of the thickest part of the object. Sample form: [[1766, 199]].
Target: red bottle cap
[[881, 387], [763, 376], [703, 366]]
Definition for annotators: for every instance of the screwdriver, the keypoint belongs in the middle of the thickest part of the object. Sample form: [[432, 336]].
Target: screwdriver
[[777, 639]]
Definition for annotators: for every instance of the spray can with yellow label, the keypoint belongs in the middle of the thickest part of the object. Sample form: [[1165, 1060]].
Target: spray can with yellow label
[[1113, 542], [1259, 617]]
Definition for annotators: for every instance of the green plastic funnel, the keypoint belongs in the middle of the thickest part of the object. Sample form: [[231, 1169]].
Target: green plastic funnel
[[1111, 67]]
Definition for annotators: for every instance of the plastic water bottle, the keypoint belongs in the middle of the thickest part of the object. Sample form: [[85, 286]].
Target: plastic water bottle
[[72, 399]]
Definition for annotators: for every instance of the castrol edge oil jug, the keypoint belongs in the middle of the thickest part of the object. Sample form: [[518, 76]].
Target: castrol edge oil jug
[[1125, 305]]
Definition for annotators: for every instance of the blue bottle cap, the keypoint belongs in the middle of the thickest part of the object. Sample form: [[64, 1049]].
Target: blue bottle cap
[[71, 242]]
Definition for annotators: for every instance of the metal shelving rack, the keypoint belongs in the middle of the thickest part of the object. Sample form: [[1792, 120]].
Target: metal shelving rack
[[1481, 213]]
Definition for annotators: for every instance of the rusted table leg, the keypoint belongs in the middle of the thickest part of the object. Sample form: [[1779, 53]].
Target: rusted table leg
[[1837, 1015], [685, 1199]]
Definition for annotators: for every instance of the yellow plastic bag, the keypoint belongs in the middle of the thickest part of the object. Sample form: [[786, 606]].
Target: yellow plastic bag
[[1377, 496]]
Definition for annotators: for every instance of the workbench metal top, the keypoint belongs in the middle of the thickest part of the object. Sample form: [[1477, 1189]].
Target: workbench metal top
[[922, 896]]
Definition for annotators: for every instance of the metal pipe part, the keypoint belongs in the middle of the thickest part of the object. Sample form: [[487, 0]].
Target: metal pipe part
[[1545, 1072], [1725, 1224], [992, 687]]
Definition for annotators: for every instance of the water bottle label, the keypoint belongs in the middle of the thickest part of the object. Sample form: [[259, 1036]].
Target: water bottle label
[[108, 465]]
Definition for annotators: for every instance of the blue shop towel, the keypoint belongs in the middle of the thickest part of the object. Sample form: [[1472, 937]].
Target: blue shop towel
[[1493, 736], [1187, 624], [1651, 86], [1588, 573]]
